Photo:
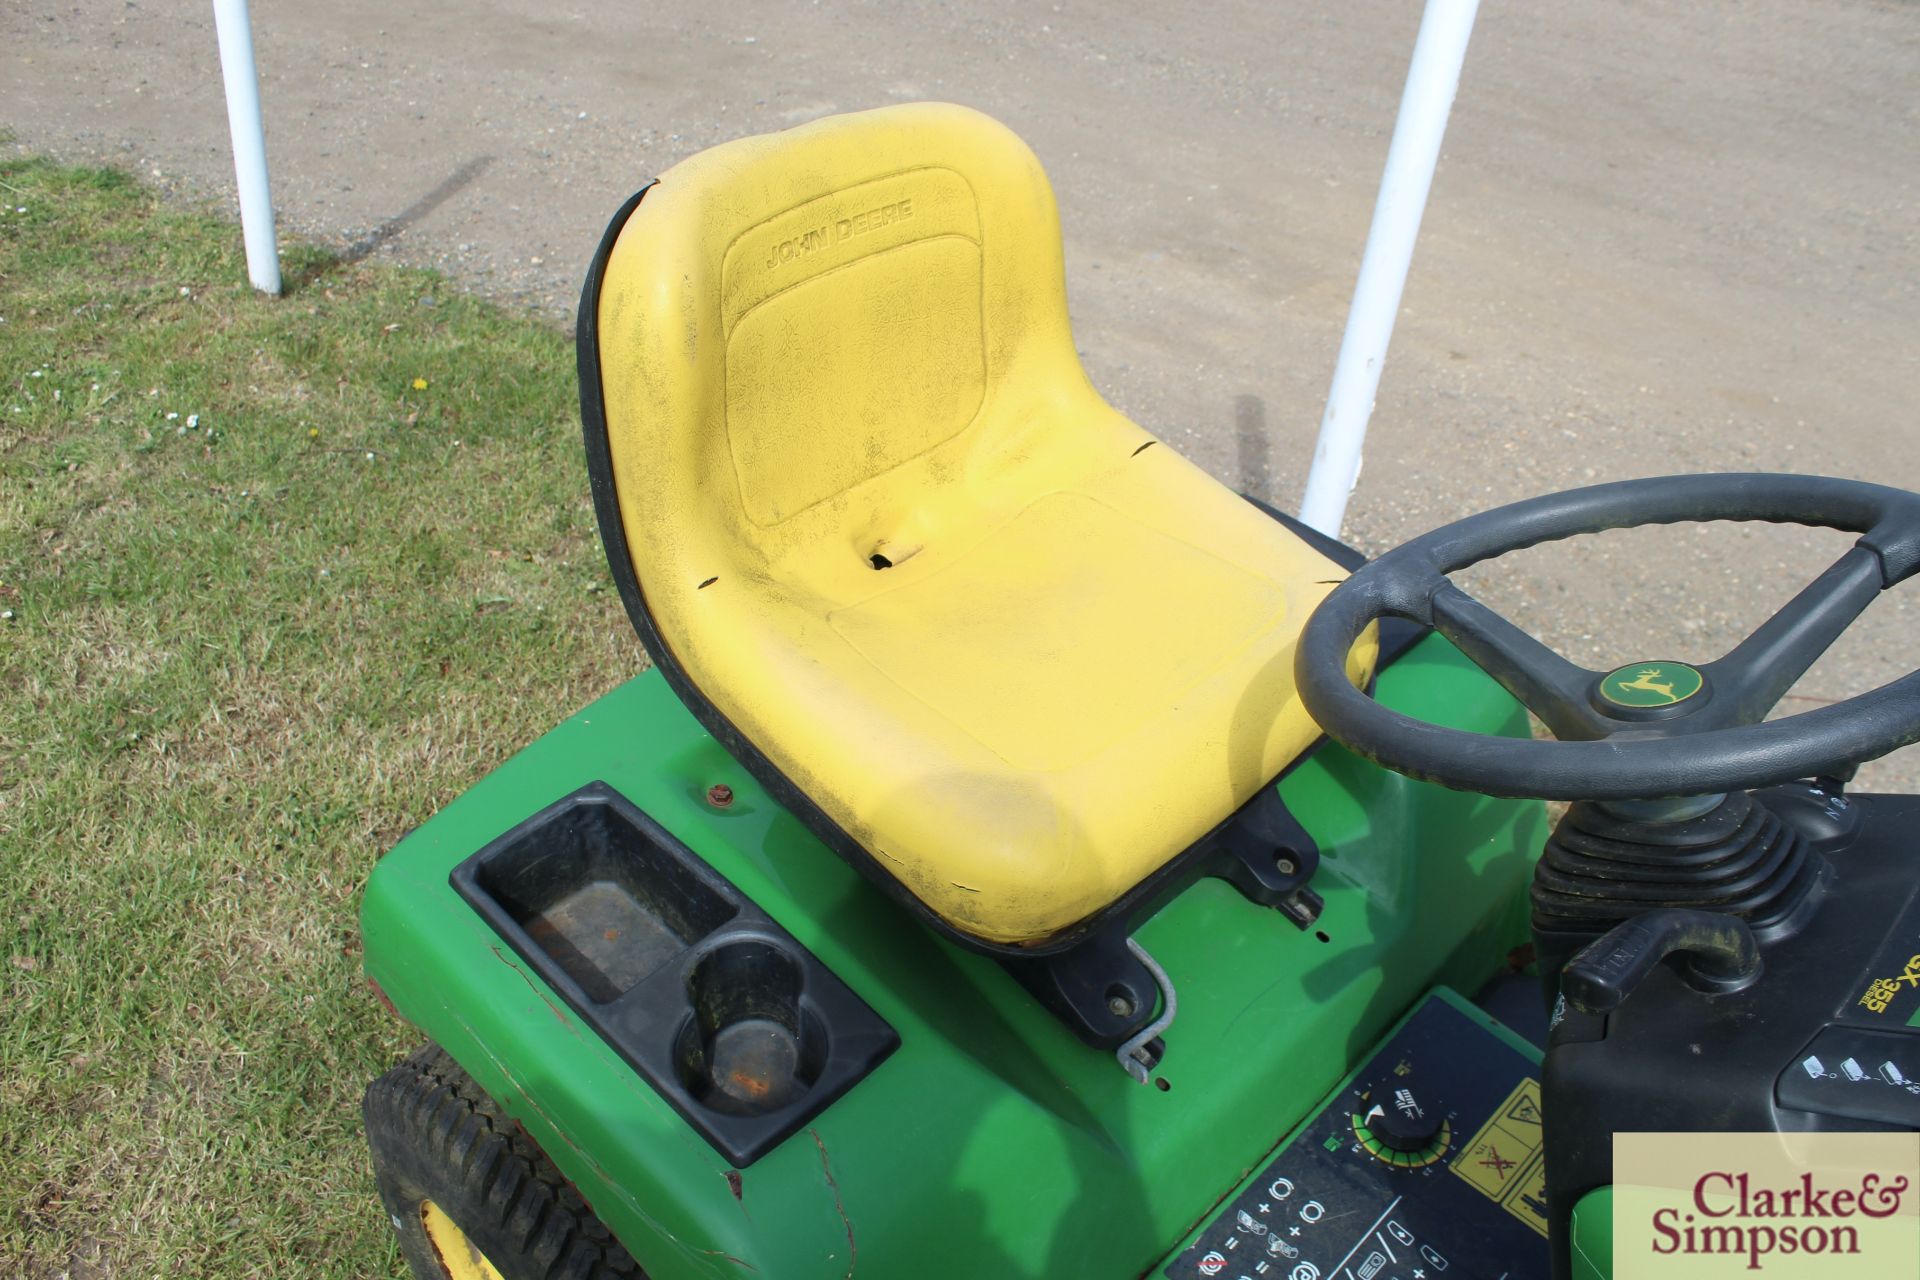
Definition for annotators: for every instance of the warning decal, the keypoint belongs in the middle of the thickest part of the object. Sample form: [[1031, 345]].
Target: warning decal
[[1503, 1161]]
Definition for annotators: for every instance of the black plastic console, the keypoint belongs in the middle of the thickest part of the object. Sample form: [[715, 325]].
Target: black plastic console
[[736, 1024], [1824, 1039]]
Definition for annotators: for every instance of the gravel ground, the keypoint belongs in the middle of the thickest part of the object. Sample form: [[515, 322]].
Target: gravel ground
[[1663, 237]]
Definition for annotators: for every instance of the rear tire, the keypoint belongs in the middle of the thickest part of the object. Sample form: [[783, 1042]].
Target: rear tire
[[439, 1141]]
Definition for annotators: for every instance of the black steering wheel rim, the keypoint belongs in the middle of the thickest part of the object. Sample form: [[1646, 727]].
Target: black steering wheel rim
[[1712, 747]]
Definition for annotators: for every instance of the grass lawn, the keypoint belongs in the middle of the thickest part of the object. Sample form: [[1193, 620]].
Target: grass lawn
[[278, 578]]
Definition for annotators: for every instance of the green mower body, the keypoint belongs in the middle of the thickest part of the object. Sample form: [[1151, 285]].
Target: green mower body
[[990, 1142]]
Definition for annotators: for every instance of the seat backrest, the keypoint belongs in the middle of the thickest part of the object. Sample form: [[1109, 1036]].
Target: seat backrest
[[802, 334]]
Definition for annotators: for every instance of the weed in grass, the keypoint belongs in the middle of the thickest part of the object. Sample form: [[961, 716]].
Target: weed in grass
[[277, 579]]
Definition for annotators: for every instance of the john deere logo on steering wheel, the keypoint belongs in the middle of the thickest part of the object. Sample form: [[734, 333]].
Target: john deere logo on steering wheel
[[1650, 684]]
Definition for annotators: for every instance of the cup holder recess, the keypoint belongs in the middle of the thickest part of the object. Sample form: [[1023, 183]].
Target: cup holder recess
[[735, 1023], [750, 1046]]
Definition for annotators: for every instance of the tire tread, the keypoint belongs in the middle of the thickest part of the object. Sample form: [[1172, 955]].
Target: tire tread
[[435, 1134]]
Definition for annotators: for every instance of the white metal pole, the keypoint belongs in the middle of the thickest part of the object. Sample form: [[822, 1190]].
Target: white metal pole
[[1432, 81], [249, 142]]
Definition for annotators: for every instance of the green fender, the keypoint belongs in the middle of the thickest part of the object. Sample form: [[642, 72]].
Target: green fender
[[1590, 1237]]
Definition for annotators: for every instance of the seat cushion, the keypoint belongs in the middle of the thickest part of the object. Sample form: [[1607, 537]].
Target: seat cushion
[[1028, 726], [1061, 631], [1018, 651]]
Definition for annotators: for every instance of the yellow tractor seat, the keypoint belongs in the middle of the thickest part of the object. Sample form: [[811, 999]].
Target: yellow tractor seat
[[985, 634]]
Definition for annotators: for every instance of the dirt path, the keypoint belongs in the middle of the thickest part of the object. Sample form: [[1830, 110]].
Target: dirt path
[[1663, 237]]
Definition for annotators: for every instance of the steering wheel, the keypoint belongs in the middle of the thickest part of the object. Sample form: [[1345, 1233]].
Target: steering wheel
[[1648, 730]]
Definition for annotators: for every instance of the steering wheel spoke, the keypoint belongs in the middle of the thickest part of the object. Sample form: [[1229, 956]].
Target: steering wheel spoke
[[1547, 684], [1756, 673]]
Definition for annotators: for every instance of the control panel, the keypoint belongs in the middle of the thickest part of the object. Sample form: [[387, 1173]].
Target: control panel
[[1425, 1165], [1865, 1064]]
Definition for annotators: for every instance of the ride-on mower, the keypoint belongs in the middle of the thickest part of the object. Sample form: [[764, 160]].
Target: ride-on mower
[[1027, 857]]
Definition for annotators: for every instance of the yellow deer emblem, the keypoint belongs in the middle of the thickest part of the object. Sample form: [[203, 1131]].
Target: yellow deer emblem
[[1645, 680]]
